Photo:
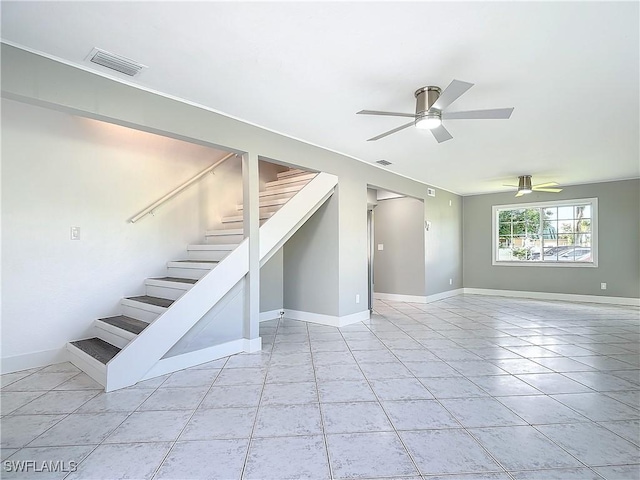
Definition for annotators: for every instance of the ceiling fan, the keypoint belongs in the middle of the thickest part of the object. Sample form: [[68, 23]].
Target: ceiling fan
[[430, 105], [524, 186]]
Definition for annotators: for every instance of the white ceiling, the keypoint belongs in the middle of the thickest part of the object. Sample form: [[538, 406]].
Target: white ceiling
[[570, 69]]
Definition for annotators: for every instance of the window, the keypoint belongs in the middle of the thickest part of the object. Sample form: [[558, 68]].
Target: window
[[546, 233]]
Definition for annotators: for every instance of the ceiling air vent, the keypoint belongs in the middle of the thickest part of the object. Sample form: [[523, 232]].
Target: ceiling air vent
[[384, 163], [115, 62]]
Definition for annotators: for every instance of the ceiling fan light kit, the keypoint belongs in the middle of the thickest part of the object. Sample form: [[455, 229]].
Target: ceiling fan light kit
[[430, 105]]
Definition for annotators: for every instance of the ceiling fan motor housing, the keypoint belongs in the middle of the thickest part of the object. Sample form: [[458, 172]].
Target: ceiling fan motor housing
[[524, 183], [425, 98]]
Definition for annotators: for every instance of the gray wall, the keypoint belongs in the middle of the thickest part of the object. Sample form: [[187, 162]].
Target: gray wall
[[399, 227], [34, 79], [272, 283], [618, 245], [310, 275]]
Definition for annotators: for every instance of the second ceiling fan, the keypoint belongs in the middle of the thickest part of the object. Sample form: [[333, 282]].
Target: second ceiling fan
[[430, 105]]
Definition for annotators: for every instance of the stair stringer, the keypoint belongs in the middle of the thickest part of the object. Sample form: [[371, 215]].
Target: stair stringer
[[132, 363], [292, 215], [136, 361]]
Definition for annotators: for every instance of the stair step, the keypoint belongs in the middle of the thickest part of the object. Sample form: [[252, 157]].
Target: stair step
[[98, 349], [210, 252], [271, 202], [158, 302], [129, 324], [291, 173], [224, 232], [290, 180], [288, 190], [239, 218], [177, 280]]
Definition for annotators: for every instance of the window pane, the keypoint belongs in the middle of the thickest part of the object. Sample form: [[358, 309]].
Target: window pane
[[583, 226], [583, 240], [550, 213], [565, 213], [550, 230], [565, 226], [583, 211]]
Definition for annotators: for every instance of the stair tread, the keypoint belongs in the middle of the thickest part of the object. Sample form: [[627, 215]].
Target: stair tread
[[97, 348], [158, 302], [129, 324], [196, 261], [176, 279]]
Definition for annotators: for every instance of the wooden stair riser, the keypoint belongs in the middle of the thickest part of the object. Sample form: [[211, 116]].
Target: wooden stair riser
[[169, 290], [201, 252], [88, 364], [290, 173], [140, 311], [113, 335], [298, 179]]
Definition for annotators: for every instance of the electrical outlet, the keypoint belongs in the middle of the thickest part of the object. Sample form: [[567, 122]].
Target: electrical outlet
[[357, 298], [380, 246], [75, 233], [603, 286]]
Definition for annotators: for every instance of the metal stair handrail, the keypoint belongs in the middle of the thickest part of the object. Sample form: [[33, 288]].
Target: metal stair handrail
[[151, 208]]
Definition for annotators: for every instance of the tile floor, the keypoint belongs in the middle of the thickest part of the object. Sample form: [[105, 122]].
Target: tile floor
[[465, 388]]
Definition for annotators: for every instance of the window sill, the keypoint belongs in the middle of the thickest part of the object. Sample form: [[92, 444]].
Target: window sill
[[496, 263]]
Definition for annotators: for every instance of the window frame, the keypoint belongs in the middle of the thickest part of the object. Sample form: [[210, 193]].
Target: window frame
[[541, 263]]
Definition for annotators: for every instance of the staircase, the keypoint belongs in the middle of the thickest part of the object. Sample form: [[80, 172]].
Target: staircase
[[130, 347]]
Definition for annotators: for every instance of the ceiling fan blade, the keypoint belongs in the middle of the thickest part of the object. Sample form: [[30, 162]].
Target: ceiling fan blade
[[520, 194], [550, 190], [514, 186], [545, 185], [450, 94], [495, 113], [388, 114], [378, 137], [441, 134]]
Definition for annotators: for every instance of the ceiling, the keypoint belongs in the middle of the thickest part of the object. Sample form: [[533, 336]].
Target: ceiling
[[570, 69]]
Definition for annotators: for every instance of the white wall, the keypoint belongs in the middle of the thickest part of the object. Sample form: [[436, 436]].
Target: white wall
[[59, 171]]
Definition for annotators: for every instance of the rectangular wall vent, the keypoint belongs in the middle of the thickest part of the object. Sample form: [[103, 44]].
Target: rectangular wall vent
[[431, 192], [383, 163], [115, 62]]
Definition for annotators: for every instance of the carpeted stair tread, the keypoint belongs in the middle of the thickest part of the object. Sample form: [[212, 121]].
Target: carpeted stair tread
[[177, 280], [158, 302], [97, 348], [129, 324]]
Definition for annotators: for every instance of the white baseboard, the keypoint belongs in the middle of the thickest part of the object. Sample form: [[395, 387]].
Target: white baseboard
[[253, 345], [33, 360], [569, 297], [393, 297], [331, 320], [270, 315]]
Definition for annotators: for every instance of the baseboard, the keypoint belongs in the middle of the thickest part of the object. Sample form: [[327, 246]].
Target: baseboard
[[570, 297], [331, 320], [253, 345], [393, 297], [33, 360], [270, 315]]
